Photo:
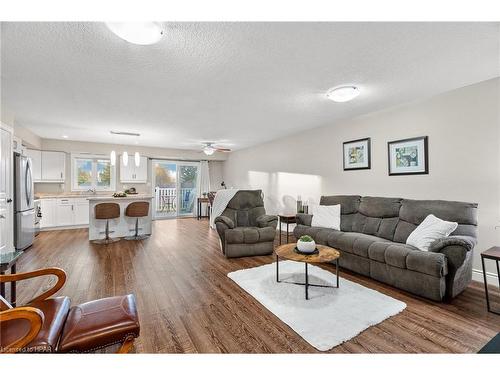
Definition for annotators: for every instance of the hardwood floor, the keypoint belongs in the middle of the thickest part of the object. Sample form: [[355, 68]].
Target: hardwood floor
[[187, 304]]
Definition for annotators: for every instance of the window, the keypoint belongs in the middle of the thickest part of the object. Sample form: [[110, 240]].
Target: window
[[92, 172]]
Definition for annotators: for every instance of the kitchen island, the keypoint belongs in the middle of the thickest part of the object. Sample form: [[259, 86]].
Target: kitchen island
[[122, 226]]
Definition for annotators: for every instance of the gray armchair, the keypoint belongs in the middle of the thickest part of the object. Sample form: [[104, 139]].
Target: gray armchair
[[244, 228]]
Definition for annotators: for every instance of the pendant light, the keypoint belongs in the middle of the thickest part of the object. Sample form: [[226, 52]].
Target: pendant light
[[112, 158], [137, 159], [125, 158]]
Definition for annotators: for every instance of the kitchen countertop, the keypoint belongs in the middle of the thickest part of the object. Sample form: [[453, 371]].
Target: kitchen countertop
[[79, 195], [111, 198]]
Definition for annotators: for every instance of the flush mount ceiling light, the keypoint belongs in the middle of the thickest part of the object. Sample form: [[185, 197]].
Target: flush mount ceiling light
[[143, 33], [342, 94]]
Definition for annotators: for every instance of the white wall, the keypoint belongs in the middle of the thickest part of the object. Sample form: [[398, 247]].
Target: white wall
[[464, 158], [216, 169]]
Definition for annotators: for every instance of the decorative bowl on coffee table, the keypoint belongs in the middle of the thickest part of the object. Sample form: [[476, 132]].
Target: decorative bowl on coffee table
[[306, 245]]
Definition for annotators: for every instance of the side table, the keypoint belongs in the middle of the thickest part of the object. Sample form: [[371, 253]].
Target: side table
[[8, 261], [288, 219], [200, 201], [492, 254]]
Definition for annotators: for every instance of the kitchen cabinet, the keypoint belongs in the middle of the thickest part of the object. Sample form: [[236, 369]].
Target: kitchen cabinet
[[48, 166], [36, 163], [17, 145], [48, 208], [132, 174], [64, 212], [81, 211], [53, 166], [141, 172]]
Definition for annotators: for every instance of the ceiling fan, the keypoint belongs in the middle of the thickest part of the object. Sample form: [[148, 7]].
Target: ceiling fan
[[209, 148]]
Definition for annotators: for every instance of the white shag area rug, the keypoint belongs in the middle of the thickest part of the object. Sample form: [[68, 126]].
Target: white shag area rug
[[330, 316]]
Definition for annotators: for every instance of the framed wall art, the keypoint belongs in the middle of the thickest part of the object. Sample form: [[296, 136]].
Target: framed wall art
[[357, 154], [408, 156]]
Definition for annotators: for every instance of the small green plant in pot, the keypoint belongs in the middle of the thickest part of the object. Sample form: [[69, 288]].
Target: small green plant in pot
[[306, 244]]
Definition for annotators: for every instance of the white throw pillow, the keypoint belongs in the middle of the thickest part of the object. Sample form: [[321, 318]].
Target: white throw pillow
[[430, 230], [326, 216]]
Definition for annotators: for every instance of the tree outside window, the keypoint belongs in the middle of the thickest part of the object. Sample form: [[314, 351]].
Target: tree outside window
[[89, 173], [104, 173], [84, 168]]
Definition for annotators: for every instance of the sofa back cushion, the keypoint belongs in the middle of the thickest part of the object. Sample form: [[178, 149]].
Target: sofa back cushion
[[349, 205], [369, 215], [378, 216], [413, 212], [395, 218], [245, 207]]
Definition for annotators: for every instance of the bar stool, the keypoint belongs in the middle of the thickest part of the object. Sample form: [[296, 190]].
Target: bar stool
[[137, 210], [106, 211]]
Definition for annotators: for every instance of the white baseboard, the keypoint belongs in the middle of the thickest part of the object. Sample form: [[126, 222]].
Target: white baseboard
[[64, 227], [491, 278]]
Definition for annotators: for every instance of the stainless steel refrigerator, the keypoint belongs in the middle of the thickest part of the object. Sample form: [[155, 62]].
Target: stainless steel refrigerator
[[24, 206]]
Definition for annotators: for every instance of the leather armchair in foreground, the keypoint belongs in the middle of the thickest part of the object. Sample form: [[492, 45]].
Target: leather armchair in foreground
[[244, 228], [48, 325]]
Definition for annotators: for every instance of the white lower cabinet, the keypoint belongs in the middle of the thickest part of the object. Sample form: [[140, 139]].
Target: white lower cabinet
[[64, 212], [81, 211], [48, 207]]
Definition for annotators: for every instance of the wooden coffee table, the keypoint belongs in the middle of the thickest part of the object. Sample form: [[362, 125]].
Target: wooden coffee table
[[326, 255]]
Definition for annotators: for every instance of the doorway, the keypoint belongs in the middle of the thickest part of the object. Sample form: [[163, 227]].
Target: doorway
[[175, 188], [6, 174]]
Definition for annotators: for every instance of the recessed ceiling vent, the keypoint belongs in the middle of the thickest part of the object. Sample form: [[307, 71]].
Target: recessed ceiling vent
[[125, 133]]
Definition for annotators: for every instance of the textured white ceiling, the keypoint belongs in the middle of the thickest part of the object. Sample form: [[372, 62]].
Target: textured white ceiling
[[235, 83]]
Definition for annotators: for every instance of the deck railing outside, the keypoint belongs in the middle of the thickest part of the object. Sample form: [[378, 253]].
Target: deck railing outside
[[166, 200]]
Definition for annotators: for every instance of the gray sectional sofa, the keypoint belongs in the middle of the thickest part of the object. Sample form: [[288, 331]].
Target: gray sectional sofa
[[373, 235]]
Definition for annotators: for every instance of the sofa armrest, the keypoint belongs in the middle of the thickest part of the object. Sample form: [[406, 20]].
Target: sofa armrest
[[222, 224], [304, 219], [455, 248], [466, 242], [224, 220], [267, 221]]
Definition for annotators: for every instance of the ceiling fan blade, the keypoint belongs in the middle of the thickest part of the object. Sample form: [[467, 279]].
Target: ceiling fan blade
[[223, 149]]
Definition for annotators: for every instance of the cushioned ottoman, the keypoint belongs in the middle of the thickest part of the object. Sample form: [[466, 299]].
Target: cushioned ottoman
[[100, 323]]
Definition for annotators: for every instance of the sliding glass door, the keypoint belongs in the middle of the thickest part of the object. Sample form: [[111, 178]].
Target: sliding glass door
[[165, 188], [175, 188], [188, 188]]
